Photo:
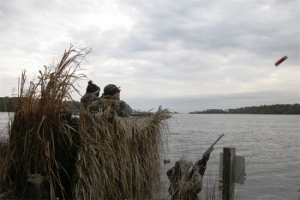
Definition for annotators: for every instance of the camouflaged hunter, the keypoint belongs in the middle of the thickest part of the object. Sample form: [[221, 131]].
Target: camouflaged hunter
[[111, 98], [182, 188], [92, 94], [186, 179]]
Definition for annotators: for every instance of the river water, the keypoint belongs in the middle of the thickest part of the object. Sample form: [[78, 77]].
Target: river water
[[269, 143], [4, 119]]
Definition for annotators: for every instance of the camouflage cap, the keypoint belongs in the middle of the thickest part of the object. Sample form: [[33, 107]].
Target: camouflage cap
[[111, 89]]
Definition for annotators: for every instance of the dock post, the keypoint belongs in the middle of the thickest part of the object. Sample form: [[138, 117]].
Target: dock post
[[228, 177]]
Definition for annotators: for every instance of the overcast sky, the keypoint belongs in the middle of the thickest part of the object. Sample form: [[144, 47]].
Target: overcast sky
[[183, 55]]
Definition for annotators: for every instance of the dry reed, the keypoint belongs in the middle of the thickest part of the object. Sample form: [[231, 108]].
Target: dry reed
[[38, 127], [119, 157], [3, 153]]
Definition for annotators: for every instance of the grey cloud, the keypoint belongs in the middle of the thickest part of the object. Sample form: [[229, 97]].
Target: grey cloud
[[242, 26], [173, 48]]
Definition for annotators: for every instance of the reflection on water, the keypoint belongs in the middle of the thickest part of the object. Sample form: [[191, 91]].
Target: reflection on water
[[271, 140]]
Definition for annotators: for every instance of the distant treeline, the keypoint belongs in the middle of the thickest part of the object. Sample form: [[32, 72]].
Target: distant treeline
[[8, 104], [263, 109], [74, 105]]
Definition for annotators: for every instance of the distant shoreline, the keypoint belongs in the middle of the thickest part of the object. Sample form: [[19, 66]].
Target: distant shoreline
[[276, 109], [241, 114]]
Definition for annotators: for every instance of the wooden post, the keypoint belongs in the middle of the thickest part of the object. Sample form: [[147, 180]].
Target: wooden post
[[228, 177]]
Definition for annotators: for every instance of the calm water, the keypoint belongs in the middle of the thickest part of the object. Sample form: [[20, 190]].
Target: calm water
[[271, 141], [4, 116]]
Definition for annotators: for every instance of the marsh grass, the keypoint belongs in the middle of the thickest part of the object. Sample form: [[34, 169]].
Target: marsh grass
[[37, 125], [119, 158], [210, 190], [3, 153]]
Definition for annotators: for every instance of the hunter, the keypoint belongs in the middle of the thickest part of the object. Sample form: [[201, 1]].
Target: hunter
[[181, 185], [92, 94], [111, 98]]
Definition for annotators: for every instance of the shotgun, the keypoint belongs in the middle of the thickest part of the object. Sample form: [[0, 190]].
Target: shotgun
[[190, 173]]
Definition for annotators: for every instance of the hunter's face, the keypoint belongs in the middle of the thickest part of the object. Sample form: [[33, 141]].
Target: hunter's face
[[117, 95]]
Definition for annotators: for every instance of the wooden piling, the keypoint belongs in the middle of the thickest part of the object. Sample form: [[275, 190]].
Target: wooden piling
[[228, 177]]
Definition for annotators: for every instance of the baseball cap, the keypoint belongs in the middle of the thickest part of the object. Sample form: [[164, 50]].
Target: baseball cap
[[111, 89]]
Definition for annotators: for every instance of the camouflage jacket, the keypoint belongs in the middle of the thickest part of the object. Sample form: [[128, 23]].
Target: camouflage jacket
[[180, 188], [87, 99], [120, 107]]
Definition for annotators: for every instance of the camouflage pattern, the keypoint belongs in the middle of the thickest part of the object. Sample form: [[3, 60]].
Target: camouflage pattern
[[87, 99], [110, 88], [120, 107], [180, 188]]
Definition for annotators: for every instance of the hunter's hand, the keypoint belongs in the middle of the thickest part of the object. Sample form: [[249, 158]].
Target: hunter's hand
[[204, 160]]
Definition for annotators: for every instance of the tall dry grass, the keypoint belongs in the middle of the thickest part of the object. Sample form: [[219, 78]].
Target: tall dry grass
[[38, 126], [119, 158], [3, 153]]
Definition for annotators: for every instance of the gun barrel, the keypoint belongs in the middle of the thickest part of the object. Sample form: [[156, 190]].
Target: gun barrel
[[211, 148], [217, 140]]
